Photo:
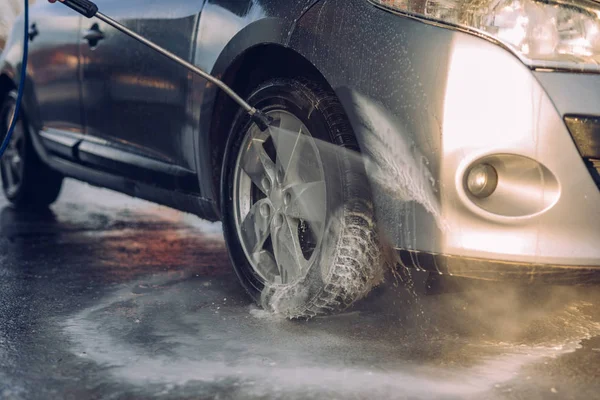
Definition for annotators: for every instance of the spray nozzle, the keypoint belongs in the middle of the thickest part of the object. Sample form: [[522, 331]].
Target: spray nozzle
[[262, 120]]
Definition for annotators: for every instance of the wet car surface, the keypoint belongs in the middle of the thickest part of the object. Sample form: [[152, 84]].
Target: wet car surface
[[110, 297]]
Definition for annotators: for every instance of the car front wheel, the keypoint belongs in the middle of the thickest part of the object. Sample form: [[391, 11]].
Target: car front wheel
[[298, 216]]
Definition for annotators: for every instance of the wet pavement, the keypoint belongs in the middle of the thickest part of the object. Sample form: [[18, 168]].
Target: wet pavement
[[111, 297]]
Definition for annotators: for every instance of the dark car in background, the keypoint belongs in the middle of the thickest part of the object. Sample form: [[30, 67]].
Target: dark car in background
[[478, 123]]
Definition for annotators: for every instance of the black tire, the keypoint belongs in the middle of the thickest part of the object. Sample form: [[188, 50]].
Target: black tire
[[38, 186], [349, 260]]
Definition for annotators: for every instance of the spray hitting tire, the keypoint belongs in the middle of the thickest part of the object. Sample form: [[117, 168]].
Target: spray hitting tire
[[26, 181], [298, 217]]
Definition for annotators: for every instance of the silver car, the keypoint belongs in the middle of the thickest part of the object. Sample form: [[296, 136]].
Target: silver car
[[463, 135]]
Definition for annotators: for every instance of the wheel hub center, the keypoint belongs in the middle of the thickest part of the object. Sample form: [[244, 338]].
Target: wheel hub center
[[277, 197]]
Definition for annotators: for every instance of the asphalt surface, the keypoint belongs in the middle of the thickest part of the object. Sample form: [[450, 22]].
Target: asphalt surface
[[109, 297]]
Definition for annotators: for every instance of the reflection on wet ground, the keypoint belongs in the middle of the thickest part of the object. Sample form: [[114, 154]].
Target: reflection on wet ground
[[107, 296]]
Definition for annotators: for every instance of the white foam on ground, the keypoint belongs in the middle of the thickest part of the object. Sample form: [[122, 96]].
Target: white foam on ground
[[266, 356], [102, 199]]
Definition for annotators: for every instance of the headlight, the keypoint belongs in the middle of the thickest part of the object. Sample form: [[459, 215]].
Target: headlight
[[544, 34]]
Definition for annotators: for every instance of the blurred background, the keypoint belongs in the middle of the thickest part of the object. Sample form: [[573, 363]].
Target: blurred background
[[9, 11]]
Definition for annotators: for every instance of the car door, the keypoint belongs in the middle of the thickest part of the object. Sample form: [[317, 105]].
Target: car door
[[134, 99], [54, 70]]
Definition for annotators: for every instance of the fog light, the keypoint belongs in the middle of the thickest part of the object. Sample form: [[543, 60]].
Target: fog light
[[482, 180]]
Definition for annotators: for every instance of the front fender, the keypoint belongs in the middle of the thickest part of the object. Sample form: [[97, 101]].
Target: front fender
[[223, 37]]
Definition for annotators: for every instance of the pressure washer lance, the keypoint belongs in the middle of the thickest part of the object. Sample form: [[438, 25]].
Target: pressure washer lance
[[90, 10]]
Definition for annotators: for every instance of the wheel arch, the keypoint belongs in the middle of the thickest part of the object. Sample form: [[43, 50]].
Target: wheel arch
[[253, 67]]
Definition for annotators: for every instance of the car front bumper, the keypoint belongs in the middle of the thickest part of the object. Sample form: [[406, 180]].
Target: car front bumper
[[494, 105]]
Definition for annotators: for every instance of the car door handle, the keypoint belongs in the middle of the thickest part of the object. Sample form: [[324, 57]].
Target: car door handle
[[33, 32], [93, 35]]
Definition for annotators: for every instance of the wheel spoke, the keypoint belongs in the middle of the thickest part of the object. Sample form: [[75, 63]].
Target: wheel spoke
[[255, 228], [16, 166], [8, 172], [259, 166], [16, 138], [288, 138], [265, 262], [286, 245]]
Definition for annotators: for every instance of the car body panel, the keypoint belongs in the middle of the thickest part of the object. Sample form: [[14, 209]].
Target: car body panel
[[572, 93], [144, 93], [385, 79]]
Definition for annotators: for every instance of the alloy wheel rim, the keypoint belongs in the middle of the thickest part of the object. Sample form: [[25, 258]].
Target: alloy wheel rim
[[280, 199], [12, 159]]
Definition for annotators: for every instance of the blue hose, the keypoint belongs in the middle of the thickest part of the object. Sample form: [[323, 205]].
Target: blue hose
[[15, 118]]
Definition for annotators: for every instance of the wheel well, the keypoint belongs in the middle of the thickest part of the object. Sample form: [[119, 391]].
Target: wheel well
[[6, 85], [257, 65]]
